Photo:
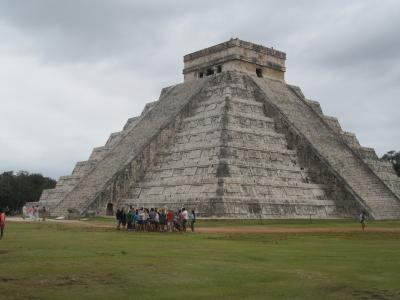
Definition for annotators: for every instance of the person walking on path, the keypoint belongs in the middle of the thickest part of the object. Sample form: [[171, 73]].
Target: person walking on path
[[2, 222], [192, 218], [363, 218]]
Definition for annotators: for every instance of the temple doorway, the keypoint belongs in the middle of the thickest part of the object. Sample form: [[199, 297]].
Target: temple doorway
[[110, 209]]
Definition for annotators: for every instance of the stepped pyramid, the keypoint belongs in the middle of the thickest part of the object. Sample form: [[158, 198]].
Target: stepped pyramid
[[234, 140]]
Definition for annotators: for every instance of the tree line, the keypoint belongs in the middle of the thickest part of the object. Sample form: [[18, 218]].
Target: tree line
[[394, 158], [18, 188]]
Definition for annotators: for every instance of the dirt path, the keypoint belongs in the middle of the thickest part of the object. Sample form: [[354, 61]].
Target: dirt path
[[230, 229], [265, 229], [81, 223]]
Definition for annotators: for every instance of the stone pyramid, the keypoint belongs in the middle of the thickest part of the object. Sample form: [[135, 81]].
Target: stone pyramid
[[234, 140]]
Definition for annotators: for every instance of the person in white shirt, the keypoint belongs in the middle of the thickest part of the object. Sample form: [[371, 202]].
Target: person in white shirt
[[185, 218]]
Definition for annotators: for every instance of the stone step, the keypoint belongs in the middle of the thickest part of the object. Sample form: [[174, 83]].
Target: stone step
[[359, 177], [236, 129], [238, 146]]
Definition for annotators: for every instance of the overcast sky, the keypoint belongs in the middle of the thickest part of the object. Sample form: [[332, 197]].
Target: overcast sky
[[72, 72]]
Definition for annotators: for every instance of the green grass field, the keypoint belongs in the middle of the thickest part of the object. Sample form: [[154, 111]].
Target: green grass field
[[56, 261]]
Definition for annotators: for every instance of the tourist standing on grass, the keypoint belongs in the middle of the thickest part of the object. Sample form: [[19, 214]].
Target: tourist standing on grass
[[44, 214], [152, 216], [143, 217], [363, 218], [137, 220], [2, 222], [185, 218], [123, 217], [156, 220], [131, 218], [179, 220], [31, 213], [118, 217], [147, 211], [163, 220], [24, 212], [170, 220], [37, 218], [192, 218]]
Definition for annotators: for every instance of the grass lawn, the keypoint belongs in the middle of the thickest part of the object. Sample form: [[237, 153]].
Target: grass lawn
[[58, 261]]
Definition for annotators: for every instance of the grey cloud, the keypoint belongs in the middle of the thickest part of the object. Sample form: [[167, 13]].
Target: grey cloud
[[365, 38], [75, 31]]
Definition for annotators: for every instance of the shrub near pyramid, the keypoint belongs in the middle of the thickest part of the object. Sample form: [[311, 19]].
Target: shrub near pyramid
[[234, 140]]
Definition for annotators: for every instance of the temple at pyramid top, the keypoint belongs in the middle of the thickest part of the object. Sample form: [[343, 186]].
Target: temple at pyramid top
[[235, 55]]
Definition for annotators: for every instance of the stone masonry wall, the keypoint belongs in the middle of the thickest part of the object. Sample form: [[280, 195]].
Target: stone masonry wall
[[226, 160], [347, 167], [131, 146], [382, 169]]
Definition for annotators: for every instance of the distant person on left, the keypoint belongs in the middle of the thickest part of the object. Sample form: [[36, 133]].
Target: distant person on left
[[2, 222]]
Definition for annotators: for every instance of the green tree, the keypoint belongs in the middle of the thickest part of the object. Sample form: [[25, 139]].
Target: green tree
[[17, 189], [394, 158]]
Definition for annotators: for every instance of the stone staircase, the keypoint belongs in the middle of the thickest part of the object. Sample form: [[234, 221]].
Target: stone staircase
[[137, 135], [51, 198], [227, 160], [356, 175], [383, 169]]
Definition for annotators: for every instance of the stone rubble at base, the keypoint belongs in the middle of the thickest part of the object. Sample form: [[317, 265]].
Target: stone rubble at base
[[232, 141]]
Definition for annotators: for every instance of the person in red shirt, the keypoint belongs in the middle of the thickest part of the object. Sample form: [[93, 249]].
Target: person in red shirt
[[2, 222], [170, 220]]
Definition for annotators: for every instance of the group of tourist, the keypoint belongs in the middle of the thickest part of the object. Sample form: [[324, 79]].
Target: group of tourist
[[34, 213], [159, 220]]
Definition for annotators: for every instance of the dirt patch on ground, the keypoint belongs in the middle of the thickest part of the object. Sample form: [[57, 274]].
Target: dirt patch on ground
[[230, 229]]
